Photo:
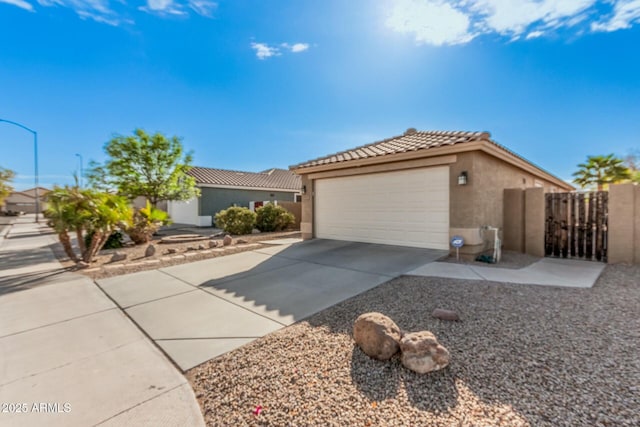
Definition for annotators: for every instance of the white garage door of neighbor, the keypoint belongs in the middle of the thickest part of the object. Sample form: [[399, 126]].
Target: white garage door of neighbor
[[404, 208]]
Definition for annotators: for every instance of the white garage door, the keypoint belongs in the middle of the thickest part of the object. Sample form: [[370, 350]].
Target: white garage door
[[405, 208]]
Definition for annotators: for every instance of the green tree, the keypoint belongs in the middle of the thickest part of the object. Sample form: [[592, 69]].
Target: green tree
[[71, 209], [632, 161], [601, 171], [6, 176], [152, 166]]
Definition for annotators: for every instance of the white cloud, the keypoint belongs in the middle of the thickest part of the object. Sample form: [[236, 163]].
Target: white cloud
[[625, 13], [264, 51], [163, 7], [534, 35], [514, 17], [97, 10], [20, 3], [450, 22], [203, 7], [434, 22], [296, 47], [118, 12]]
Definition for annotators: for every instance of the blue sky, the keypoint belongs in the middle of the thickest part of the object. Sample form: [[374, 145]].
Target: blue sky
[[251, 85]]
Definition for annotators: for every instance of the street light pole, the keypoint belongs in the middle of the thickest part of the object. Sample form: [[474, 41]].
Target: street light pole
[[81, 170], [35, 158]]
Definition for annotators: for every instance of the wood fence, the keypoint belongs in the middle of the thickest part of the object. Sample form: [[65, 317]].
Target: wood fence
[[576, 225]]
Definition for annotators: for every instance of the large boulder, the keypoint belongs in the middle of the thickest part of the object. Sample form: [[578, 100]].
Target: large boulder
[[377, 335], [422, 353]]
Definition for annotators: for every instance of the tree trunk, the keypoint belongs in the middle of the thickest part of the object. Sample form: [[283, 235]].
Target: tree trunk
[[81, 244], [66, 245], [87, 255]]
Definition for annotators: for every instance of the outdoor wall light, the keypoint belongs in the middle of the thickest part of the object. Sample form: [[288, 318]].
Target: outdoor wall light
[[304, 189], [462, 178]]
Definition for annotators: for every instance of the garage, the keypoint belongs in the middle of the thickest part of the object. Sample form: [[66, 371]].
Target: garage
[[405, 208]]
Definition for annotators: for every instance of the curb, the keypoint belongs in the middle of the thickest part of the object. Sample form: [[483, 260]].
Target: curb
[[5, 232]]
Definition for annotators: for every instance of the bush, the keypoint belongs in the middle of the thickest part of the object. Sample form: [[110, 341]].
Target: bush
[[113, 242], [273, 218], [236, 220], [146, 221]]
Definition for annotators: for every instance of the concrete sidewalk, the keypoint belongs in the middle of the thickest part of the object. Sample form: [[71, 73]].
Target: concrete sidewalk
[[547, 272], [69, 356]]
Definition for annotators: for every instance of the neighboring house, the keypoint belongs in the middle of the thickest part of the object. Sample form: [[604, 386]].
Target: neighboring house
[[25, 201], [417, 189], [222, 188]]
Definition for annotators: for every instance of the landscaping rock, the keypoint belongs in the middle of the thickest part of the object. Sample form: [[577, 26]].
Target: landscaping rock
[[227, 240], [150, 251], [172, 251], [213, 243], [422, 353], [255, 231], [191, 248], [442, 314], [241, 241], [377, 335], [118, 256], [201, 247]]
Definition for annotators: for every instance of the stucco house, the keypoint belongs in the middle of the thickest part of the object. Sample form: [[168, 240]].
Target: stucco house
[[221, 188], [417, 189], [25, 201]]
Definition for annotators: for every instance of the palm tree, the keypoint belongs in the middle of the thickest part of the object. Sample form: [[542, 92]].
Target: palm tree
[[601, 170], [73, 209]]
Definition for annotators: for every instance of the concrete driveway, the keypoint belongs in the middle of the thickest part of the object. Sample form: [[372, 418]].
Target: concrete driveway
[[200, 310]]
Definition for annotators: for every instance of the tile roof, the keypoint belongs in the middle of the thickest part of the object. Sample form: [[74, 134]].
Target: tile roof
[[280, 179], [411, 140]]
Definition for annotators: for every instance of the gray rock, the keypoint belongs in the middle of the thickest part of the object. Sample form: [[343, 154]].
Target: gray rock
[[150, 251], [213, 243], [422, 353], [201, 247], [227, 240], [255, 231], [118, 256], [442, 314], [377, 335]]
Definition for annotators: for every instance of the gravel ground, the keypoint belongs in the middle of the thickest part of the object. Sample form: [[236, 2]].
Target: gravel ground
[[521, 356], [509, 259]]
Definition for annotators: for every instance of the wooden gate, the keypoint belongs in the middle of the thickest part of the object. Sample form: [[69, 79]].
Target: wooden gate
[[576, 225]]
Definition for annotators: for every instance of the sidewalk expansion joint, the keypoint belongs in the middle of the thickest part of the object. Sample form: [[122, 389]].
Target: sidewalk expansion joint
[[226, 300], [58, 322]]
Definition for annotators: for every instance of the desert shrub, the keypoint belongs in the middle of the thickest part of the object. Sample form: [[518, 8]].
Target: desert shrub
[[236, 220], [113, 242], [273, 218], [146, 221]]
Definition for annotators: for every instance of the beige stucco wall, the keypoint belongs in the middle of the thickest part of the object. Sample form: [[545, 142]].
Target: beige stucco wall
[[481, 202], [624, 224], [513, 220], [306, 220]]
